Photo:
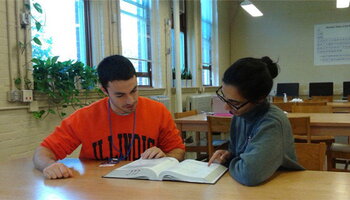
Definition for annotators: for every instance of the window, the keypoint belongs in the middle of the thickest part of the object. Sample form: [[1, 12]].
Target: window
[[62, 35], [136, 37], [207, 20], [183, 53]]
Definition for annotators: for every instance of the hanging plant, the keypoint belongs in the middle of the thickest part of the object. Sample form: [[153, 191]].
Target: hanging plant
[[61, 82]]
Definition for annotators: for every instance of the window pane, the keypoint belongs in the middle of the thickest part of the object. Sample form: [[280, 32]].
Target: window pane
[[62, 35], [206, 77], [140, 66], [206, 10], [135, 36], [182, 50], [143, 81]]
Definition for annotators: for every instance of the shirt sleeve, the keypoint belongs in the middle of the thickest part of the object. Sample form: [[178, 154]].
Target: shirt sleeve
[[262, 156], [63, 140], [169, 137]]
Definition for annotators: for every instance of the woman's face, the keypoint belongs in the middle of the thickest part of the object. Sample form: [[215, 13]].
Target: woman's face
[[235, 103]]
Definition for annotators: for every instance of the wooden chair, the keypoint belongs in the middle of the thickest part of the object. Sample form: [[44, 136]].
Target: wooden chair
[[196, 146], [301, 128], [329, 140], [311, 156], [284, 106], [217, 124], [338, 151], [311, 109]]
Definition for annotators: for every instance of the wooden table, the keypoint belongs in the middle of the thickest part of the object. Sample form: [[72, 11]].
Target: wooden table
[[335, 124], [20, 181]]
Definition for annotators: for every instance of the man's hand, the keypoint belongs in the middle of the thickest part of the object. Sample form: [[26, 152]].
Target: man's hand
[[153, 152], [220, 156], [57, 170]]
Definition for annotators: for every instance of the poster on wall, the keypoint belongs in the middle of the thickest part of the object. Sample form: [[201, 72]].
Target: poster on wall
[[332, 44]]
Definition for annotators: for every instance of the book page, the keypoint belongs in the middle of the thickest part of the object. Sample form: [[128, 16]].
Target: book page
[[194, 171], [143, 168]]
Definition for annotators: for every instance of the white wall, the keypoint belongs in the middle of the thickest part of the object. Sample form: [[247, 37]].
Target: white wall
[[286, 33]]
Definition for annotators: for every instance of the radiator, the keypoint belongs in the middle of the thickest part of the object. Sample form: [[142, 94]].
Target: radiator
[[199, 102], [162, 99]]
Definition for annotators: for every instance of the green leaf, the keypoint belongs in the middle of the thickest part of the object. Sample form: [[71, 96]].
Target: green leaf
[[38, 8], [36, 61], [27, 5], [51, 111], [54, 59], [37, 41], [18, 81], [38, 26], [39, 114]]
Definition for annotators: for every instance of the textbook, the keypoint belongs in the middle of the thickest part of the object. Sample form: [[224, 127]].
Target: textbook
[[168, 168]]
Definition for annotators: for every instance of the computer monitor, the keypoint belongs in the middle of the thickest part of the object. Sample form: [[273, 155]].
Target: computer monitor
[[291, 89], [321, 89], [346, 88]]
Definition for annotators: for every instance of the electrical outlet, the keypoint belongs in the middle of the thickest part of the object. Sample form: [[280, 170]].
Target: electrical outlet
[[27, 95], [14, 95]]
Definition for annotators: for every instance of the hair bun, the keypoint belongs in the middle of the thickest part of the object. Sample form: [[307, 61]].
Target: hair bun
[[272, 67]]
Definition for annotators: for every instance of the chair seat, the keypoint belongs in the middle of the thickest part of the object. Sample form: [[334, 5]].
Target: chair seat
[[338, 147]]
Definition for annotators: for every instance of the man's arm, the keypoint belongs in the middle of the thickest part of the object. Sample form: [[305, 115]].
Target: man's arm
[[45, 160], [177, 153], [155, 152]]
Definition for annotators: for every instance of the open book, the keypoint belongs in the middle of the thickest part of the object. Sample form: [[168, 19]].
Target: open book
[[168, 168]]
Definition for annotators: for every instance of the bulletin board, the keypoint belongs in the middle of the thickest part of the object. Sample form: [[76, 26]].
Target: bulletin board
[[332, 44]]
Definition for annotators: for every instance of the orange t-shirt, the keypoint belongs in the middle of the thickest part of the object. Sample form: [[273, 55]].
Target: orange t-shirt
[[89, 126]]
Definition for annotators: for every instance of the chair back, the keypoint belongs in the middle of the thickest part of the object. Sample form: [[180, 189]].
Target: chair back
[[216, 124], [311, 109], [301, 126], [185, 114], [311, 155], [285, 106]]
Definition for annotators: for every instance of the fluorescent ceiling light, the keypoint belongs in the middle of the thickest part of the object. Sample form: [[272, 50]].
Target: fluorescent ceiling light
[[251, 9], [343, 3]]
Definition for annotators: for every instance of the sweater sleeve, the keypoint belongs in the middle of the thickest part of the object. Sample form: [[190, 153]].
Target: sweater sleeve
[[262, 156], [63, 141], [169, 136]]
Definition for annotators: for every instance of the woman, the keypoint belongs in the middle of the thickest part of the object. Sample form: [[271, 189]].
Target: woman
[[261, 139]]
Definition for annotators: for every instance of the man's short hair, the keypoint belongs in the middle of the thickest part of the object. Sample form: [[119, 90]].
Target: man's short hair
[[115, 67]]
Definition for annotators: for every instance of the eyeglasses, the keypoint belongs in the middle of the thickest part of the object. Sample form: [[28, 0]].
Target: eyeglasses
[[222, 97]]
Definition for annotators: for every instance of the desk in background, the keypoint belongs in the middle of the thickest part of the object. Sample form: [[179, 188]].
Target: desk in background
[[331, 124], [19, 180]]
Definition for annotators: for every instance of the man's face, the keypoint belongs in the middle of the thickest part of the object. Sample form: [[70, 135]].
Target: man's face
[[123, 95]]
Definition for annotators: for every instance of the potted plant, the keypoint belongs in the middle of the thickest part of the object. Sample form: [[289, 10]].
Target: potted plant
[[58, 80], [183, 77]]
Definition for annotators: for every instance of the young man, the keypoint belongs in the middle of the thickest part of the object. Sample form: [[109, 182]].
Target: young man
[[122, 125]]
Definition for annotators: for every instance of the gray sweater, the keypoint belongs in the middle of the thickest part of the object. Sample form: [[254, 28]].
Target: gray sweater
[[261, 142]]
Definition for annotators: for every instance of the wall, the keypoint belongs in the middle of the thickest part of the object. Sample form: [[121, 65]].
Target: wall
[[286, 33]]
